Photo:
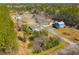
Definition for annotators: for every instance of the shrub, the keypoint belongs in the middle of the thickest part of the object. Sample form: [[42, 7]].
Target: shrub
[[36, 51], [49, 44]]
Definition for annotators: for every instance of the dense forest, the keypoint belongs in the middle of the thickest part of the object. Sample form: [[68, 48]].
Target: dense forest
[[7, 33], [69, 12]]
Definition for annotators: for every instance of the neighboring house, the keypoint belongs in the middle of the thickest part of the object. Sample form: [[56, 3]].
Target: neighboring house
[[57, 24]]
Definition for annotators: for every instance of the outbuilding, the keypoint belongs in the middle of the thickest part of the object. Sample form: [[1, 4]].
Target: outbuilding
[[16, 17], [57, 24]]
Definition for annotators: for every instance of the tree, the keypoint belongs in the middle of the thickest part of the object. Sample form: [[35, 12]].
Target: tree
[[27, 32], [7, 32]]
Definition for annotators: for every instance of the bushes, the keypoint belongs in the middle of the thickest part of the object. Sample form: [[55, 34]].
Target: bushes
[[39, 41], [46, 44], [49, 44], [36, 51], [7, 33], [36, 34], [26, 29]]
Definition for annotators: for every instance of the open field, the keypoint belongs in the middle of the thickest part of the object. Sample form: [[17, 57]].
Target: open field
[[70, 33]]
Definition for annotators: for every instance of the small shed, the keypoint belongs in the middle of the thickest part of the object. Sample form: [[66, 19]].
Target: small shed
[[18, 17], [57, 24]]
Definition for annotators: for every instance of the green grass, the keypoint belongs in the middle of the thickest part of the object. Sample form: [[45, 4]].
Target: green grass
[[51, 50], [7, 33]]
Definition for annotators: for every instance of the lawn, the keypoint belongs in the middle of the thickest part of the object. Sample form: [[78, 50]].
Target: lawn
[[53, 49], [70, 33]]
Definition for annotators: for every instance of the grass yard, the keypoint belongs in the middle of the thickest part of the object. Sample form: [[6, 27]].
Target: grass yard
[[53, 49], [70, 33]]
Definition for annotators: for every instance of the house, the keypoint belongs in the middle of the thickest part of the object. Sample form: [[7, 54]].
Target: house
[[57, 24]]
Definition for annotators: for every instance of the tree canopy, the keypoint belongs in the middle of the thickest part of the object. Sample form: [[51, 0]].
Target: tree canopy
[[7, 32]]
